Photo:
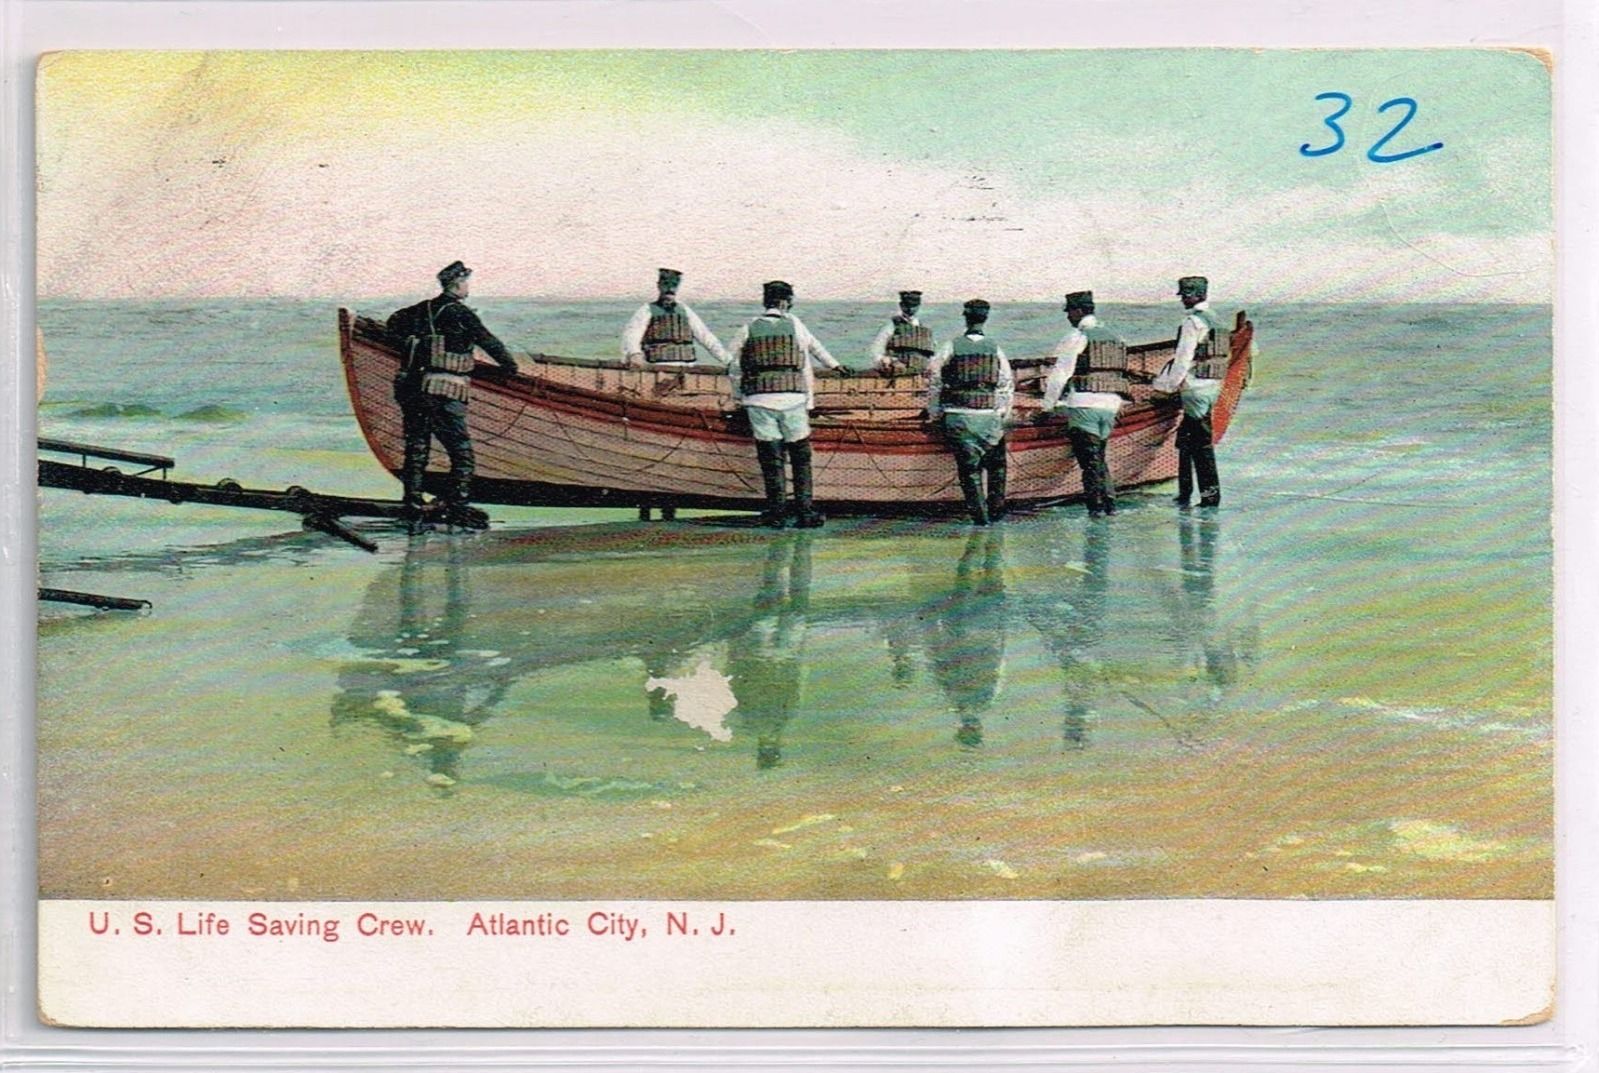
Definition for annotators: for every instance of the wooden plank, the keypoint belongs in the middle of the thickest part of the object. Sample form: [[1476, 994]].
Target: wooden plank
[[93, 599], [72, 447]]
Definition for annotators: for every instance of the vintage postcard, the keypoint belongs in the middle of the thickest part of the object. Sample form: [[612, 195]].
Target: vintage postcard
[[754, 538]]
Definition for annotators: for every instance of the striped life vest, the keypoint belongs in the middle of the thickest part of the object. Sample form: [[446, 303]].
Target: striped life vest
[[911, 344], [447, 372], [971, 375], [669, 337], [1214, 352], [1102, 366], [770, 361]]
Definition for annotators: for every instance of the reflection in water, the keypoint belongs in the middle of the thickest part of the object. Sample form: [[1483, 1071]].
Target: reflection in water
[[966, 634], [1207, 649], [765, 658], [1070, 616], [423, 683], [447, 632]]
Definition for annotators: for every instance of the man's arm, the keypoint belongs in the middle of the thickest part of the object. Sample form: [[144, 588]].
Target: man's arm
[[633, 335], [812, 347], [935, 379], [1066, 353], [879, 350], [734, 369], [1005, 393], [705, 337], [486, 340], [1176, 371]]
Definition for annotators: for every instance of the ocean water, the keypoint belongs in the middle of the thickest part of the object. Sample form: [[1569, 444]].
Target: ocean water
[[1339, 685]]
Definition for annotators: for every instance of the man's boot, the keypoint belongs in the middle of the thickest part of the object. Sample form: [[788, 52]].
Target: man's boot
[[458, 510], [996, 487], [770, 454], [1185, 471], [1209, 482], [972, 490], [1107, 486], [805, 515]]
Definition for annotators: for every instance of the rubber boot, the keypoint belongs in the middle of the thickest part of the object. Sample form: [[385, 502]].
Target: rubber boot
[[1185, 474], [1209, 482], [805, 515], [771, 458], [465, 516], [996, 488], [972, 490], [1107, 487]]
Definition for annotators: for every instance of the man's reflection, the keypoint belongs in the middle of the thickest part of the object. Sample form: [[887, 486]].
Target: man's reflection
[[966, 634], [1211, 653], [1196, 535], [418, 684], [765, 659], [1070, 616]]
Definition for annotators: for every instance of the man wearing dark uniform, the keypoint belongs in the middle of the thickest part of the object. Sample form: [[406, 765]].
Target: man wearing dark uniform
[[970, 388], [905, 344], [1088, 380], [772, 380], [1196, 372], [433, 388], [663, 332]]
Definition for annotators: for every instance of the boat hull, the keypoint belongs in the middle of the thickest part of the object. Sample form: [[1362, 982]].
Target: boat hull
[[564, 433]]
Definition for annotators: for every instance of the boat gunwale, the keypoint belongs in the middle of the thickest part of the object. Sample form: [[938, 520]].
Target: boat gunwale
[[863, 433]]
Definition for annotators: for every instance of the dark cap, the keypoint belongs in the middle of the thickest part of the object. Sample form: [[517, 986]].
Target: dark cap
[[777, 291], [913, 297], [1080, 302], [451, 272], [668, 278], [977, 309], [1193, 286]]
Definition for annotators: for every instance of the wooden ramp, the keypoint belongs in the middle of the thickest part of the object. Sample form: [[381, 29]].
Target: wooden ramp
[[317, 511]]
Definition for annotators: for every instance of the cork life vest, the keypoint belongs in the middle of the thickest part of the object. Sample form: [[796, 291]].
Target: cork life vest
[[669, 337], [1214, 351], [429, 365], [1102, 366], [971, 375], [770, 360], [911, 344]]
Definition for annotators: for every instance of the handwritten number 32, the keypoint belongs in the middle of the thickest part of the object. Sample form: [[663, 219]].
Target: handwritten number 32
[[1375, 153]]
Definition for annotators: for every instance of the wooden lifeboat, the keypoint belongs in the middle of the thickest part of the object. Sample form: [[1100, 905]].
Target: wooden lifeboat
[[572, 432]]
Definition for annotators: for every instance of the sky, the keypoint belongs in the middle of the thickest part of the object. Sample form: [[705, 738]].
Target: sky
[[1013, 175]]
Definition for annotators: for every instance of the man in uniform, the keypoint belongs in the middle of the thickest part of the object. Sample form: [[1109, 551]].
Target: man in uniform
[[1090, 415], [433, 388], [970, 388], [772, 380], [1192, 373], [663, 332], [905, 343]]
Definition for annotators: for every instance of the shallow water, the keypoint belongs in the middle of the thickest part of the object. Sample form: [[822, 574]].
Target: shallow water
[[1338, 686]]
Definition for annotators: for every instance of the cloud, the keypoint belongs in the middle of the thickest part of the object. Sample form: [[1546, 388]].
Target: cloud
[[219, 192]]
